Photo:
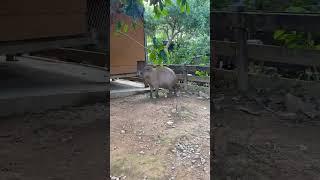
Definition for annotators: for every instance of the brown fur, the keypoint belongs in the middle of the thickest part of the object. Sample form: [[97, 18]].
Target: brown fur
[[160, 77]]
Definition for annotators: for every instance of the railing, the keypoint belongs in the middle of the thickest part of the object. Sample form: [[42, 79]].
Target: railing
[[243, 22]]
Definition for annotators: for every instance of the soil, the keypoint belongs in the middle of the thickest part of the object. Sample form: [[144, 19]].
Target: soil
[[257, 144], [165, 138], [64, 144]]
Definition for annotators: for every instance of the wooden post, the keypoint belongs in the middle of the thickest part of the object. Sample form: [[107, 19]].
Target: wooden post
[[242, 53], [185, 76]]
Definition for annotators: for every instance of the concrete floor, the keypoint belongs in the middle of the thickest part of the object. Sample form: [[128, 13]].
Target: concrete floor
[[30, 85], [122, 88]]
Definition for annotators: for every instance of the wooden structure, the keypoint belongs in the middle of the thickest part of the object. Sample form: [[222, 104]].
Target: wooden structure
[[33, 25], [126, 50], [243, 22]]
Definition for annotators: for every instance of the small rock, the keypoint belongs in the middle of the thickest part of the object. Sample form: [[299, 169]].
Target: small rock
[[172, 167], [173, 111], [205, 169], [202, 160], [184, 154], [193, 161], [141, 152], [123, 131], [170, 123], [200, 97], [169, 115]]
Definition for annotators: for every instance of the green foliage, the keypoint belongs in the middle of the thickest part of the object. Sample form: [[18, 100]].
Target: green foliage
[[135, 9], [201, 73], [157, 53], [189, 32], [295, 40]]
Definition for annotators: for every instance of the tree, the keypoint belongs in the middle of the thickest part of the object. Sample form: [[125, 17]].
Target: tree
[[177, 26], [190, 32]]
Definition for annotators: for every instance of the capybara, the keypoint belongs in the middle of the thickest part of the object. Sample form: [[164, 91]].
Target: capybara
[[160, 77]]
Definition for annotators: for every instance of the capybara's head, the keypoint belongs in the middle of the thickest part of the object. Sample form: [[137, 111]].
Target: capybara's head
[[147, 70]]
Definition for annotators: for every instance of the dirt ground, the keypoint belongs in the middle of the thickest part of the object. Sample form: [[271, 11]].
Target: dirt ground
[[166, 138], [255, 143], [54, 145]]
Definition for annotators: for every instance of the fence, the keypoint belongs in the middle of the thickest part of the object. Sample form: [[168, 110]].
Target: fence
[[243, 22]]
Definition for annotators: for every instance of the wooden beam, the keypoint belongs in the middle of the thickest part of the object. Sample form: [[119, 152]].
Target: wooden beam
[[271, 53], [43, 44], [77, 55], [190, 68], [204, 79], [267, 21], [242, 56]]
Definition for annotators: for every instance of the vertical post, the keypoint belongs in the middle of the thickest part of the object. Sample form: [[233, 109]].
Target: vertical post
[[242, 55], [185, 76]]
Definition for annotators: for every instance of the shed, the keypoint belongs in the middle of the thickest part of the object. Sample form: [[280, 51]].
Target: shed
[[33, 25], [126, 52]]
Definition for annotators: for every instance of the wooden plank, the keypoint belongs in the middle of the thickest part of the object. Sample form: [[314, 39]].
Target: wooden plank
[[28, 7], [242, 57], [267, 21], [191, 68], [22, 27], [32, 46], [272, 53], [78, 56], [264, 81], [205, 79]]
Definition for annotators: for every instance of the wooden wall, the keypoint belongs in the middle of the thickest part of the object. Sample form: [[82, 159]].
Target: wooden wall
[[33, 19], [124, 52]]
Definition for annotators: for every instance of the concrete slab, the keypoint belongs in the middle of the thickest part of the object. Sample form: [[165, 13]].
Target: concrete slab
[[29, 102], [123, 88], [127, 92], [31, 86], [82, 72]]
